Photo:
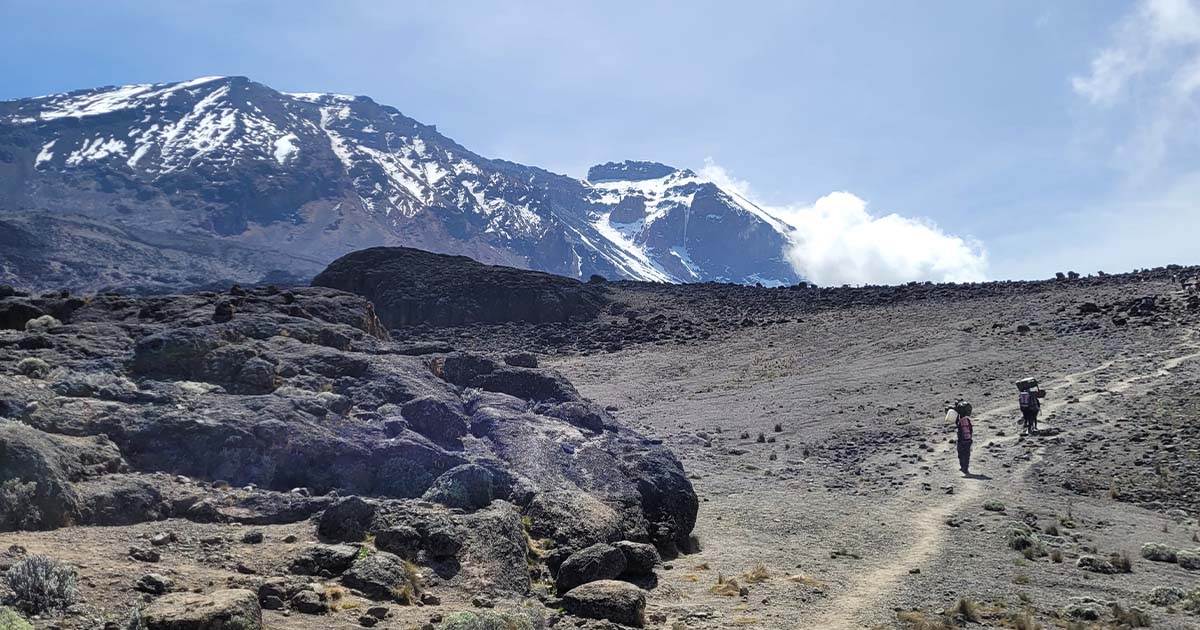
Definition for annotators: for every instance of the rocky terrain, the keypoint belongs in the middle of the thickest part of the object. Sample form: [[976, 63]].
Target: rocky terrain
[[131, 178], [443, 458], [214, 454]]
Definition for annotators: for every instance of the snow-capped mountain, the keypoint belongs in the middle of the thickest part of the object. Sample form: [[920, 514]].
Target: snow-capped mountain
[[218, 162]]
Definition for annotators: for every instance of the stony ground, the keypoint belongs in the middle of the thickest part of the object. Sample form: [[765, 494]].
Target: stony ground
[[811, 425], [830, 490]]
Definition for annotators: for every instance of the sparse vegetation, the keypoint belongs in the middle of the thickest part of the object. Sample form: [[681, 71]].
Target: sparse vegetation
[[40, 584], [727, 587], [994, 505], [967, 609], [33, 367], [10, 620], [516, 619], [759, 573], [17, 509], [1024, 621], [1160, 553], [134, 621], [1130, 618], [916, 620], [1056, 556]]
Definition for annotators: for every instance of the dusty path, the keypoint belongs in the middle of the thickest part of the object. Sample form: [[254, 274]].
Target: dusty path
[[853, 608]]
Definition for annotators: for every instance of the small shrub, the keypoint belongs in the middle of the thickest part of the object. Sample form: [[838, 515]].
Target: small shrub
[[33, 367], [994, 505], [10, 620], [41, 584], [517, 619], [1131, 618], [134, 622], [1052, 530], [778, 428], [1160, 553], [761, 438], [1122, 562], [1167, 596], [1021, 579], [1056, 556], [17, 509], [335, 596], [45, 322]]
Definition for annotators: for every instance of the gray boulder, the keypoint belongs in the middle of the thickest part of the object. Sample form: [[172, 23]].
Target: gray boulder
[[232, 609], [597, 562], [324, 559], [640, 558], [609, 600], [467, 487], [379, 575]]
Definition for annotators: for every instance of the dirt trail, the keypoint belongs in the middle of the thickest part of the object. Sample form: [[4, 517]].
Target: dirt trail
[[927, 512]]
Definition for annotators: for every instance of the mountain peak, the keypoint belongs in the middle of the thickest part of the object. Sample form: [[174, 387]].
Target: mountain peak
[[629, 171]]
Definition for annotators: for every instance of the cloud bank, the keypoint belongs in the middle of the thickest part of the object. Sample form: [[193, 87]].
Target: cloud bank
[[836, 241]]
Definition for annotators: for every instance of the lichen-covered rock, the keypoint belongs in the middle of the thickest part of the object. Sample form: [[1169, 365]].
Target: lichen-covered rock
[[468, 487], [232, 609], [378, 575]]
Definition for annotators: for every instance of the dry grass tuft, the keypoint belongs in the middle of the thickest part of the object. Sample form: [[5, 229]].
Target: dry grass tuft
[[1131, 618], [726, 587], [1056, 556], [805, 580], [1024, 621], [916, 620], [758, 574], [967, 609]]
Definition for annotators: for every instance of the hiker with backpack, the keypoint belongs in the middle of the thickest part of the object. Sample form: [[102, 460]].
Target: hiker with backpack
[[960, 415], [1029, 400]]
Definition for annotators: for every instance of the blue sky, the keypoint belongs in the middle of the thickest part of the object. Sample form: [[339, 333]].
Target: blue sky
[[1053, 135]]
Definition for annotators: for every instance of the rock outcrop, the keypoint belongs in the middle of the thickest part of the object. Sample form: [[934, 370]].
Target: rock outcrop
[[263, 406], [410, 286]]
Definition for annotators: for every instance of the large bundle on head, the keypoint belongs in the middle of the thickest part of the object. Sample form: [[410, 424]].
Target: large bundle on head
[[1027, 384], [963, 408]]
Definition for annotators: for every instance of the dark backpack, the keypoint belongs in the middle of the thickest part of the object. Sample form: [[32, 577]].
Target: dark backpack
[[1028, 400]]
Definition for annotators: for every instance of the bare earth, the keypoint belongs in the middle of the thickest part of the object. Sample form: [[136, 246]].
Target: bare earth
[[864, 512]]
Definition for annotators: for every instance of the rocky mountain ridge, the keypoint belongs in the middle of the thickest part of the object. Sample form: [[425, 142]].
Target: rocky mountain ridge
[[305, 177]]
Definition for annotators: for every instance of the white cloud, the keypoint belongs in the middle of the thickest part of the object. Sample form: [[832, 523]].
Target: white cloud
[[837, 241], [1148, 80]]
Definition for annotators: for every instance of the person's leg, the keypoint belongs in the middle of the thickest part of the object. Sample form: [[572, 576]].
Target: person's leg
[[964, 455]]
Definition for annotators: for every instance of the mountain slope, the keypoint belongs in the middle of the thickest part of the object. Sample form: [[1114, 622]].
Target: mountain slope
[[313, 176]]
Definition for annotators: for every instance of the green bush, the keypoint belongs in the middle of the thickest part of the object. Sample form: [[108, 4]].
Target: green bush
[[40, 584], [519, 619], [33, 367], [10, 620], [17, 509]]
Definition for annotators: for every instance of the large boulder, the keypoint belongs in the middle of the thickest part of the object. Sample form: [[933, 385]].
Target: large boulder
[[572, 518], [609, 600], [324, 560], [640, 558], [232, 609], [410, 286], [597, 562], [468, 487], [378, 575]]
